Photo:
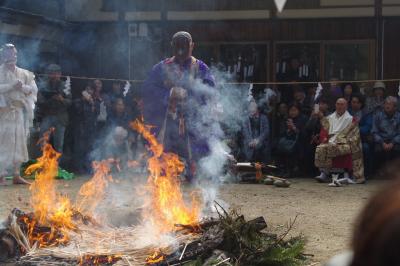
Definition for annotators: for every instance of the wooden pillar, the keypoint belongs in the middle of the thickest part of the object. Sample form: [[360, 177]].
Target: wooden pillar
[[165, 43], [379, 39]]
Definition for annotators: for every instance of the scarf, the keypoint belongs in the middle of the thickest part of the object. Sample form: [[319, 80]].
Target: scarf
[[337, 124]]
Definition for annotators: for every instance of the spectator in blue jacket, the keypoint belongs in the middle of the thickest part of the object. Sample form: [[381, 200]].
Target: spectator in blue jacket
[[386, 131]]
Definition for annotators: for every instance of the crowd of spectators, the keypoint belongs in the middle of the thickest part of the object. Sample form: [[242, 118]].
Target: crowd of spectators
[[294, 125], [281, 128], [92, 124]]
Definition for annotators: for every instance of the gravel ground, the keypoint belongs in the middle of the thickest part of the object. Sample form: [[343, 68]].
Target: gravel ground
[[324, 215]]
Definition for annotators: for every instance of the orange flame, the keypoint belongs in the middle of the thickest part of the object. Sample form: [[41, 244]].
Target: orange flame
[[92, 192], [50, 208], [156, 257], [53, 213], [166, 206], [99, 260]]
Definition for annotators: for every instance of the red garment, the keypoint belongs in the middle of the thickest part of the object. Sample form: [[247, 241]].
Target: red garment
[[344, 161]]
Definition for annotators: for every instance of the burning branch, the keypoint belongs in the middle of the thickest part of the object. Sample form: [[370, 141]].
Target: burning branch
[[50, 209]]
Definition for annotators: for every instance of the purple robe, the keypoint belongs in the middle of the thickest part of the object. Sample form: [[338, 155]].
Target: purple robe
[[156, 93]]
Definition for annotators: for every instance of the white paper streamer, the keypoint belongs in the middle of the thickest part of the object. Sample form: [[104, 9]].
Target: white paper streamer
[[280, 4], [250, 93], [319, 91], [126, 88], [398, 92], [67, 88]]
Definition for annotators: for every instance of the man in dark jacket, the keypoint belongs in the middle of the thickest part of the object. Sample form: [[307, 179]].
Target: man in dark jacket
[[53, 102], [255, 131]]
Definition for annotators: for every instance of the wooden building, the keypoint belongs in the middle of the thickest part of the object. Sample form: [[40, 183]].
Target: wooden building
[[344, 39]]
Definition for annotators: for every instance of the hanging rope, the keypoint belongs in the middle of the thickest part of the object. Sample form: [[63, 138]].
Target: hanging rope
[[238, 83]]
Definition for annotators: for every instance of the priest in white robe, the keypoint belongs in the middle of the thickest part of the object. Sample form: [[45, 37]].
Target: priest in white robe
[[340, 146], [18, 92]]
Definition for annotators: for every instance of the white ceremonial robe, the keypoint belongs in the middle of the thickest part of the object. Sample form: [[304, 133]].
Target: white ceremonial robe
[[337, 124], [16, 116]]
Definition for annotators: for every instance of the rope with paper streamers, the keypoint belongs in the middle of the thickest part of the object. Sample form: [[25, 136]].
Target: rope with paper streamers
[[238, 83]]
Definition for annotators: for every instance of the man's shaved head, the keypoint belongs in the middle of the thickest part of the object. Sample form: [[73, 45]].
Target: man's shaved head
[[182, 35], [341, 106], [182, 46], [342, 100]]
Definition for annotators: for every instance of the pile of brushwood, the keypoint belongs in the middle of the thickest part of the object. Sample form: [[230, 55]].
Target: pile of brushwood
[[226, 240], [231, 240]]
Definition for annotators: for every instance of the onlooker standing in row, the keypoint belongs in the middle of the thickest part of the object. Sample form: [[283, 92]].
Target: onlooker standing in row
[[53, 104], [87, 108], [101, 98]]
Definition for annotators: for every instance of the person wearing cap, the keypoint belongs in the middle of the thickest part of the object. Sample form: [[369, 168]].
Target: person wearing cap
[[375, 103], [53, 103], [170, 86], [18, 93]]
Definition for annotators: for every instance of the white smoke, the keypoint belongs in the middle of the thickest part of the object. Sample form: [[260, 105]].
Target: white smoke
[[216, 120]]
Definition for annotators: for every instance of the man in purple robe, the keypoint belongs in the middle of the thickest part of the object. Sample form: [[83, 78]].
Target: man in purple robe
[[174, 91]]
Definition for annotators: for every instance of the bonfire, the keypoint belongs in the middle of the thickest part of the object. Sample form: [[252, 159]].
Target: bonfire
[[171, 231]]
